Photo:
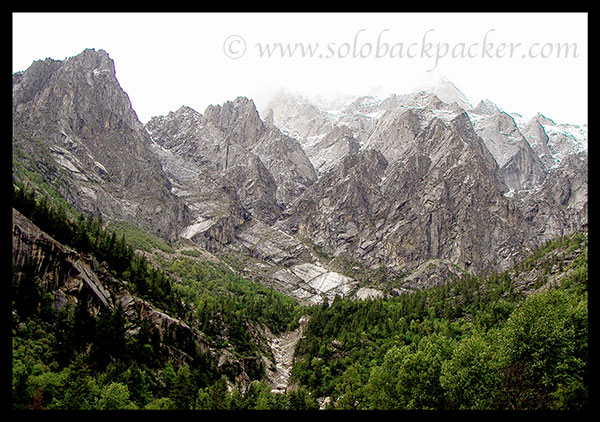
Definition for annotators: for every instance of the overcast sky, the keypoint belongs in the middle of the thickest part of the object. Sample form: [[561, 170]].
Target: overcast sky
[[525, 63]]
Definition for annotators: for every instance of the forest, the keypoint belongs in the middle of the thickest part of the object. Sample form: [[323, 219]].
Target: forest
[[511, 340], [473, 343]]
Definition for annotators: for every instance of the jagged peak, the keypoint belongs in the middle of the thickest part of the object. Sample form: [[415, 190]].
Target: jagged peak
[[543, 120], [240, 105], [93, 59], [93, 52], [426, 99], [445, 90], [240, 102], [185, 111], [486, 108]]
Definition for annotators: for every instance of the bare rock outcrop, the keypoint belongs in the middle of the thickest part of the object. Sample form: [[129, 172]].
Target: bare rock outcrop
[[75, 127], [70, 276]]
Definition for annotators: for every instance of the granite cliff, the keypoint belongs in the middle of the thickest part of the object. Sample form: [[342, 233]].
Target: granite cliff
[[74, 128], [399, 183]]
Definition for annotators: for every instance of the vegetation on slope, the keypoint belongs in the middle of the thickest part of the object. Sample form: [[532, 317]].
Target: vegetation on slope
[[512, 340]]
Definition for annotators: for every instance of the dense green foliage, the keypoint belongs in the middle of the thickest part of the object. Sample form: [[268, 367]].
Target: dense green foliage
[[138, 238], [72, 359], [474, 343], [226, 304], [512, 340]]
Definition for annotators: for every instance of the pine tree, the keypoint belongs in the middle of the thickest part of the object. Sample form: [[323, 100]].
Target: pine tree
[[138, 385], [184, 391], [79, 387]]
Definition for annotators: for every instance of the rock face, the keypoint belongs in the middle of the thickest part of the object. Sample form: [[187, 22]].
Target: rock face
[[454, 183], [521, 167], [411, 181], [196, 165], [249, 169], [73, 123], [325, 136], [281, 155], [72, 276], [424, 186], [553, 142], [560, 205]]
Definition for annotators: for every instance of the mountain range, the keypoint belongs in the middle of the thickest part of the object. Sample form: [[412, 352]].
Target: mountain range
[[423, 186]]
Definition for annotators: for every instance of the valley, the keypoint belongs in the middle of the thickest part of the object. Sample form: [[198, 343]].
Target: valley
[[303, 255]]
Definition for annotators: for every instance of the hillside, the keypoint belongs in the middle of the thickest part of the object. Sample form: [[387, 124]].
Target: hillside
[[406, 252], [92, 327]]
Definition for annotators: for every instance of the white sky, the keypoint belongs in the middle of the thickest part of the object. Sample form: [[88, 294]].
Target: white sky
[[164, 61]]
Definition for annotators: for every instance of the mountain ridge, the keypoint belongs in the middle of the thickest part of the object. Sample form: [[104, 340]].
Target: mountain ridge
[[210, 175], [84, 126], [220, 260]]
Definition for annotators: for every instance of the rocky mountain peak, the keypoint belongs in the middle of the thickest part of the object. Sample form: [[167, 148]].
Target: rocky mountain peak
[[239, 118], [553, 142], [94, 148], [295, 116], [395, 181], [186, 111], [364, 105], [427, 99], [446, 91], [543, 120], [394, 132], [94, 59], [521, 167], [486, 108]]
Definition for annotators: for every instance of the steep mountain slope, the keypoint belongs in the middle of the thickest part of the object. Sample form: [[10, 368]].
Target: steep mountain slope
[[560, 204], [514, 161], [249, 171], [233, 148], [521, 167], [424, 187], [84, 339], [325, 135], [415, 199], [93, 300], [282, 156], [74, 128], [401, 182], [73, 278]]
